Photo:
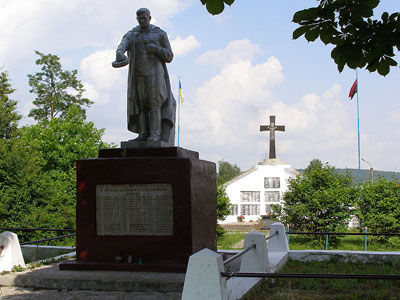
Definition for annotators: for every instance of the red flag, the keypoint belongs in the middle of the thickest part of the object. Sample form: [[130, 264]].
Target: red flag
[[353, 90]]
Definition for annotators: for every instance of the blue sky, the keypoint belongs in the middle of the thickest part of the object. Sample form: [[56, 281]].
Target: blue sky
[[236, 68]]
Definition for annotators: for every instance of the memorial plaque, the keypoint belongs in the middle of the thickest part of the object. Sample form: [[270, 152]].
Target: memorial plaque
[[134, 209]]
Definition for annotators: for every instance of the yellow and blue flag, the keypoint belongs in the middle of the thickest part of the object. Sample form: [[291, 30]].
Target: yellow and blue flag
[[180, 92]]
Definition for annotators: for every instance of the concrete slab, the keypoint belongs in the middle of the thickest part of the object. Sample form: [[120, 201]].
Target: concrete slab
[[13, 293], [50, 277], [240, 226], [345, 256]]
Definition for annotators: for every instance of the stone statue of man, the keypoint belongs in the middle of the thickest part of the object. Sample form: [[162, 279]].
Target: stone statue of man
[[151, 104]]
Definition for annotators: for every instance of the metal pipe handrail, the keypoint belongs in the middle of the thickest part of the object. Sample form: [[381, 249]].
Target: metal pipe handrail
[[36, 229], [344, 233], [49, 239], [329, 276], [252, 246], [276, 233]]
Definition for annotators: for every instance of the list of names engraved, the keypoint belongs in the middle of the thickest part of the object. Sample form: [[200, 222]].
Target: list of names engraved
[[134, 209]]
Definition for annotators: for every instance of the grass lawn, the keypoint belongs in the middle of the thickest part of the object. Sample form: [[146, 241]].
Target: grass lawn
[[230, 238], [303, 242], [330, 289]]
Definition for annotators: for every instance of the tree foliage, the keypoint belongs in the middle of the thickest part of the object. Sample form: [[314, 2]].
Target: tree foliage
[[56, 90], [317, 201], [223, 203], [314, 164], [379, 206], [19, 169], [358, 40], [9, 116], [223, 208], [61, 142], [37, 172], [216, 7], [226, 171]]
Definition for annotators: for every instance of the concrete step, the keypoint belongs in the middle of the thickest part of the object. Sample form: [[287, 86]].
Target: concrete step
[[50, 277], [240, 226], [16, 293]]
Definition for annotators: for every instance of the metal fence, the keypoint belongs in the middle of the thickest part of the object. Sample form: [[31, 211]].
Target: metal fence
[[41, 229], [302, 275], [327, 234]]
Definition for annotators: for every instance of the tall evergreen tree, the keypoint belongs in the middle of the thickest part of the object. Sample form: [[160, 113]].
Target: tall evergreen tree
[[9, 116], [56, 90]]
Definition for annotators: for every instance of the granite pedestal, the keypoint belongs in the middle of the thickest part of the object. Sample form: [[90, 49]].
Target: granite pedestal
[[143, 210]]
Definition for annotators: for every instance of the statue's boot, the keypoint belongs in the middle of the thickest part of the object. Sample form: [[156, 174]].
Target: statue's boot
[[154, 125], [143, 127]]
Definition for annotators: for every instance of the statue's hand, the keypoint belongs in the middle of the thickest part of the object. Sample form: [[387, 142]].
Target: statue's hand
[[151, 48], [120, 56]]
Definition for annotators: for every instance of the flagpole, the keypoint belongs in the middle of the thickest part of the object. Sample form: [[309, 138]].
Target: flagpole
[[358, 130], [179, 110]]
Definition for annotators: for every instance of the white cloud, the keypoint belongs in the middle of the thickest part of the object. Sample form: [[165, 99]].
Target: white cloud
[[224, 105], [50, 26], [97, 68], [394, 117], [183, 46], [106, 86], [230, 107], [235, 51]]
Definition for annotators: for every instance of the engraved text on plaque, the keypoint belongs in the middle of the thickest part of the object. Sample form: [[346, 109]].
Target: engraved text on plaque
[[134, 209]]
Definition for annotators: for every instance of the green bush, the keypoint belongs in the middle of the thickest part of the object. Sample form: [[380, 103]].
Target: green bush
[[317, 201], [379, 208]]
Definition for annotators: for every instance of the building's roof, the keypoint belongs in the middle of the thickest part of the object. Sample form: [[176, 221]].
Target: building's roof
[[269, 162], [244, 174], [293, 171], [272, 162]]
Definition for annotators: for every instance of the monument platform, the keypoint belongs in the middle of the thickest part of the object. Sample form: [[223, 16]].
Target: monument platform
[[144, 209], [96, 284]]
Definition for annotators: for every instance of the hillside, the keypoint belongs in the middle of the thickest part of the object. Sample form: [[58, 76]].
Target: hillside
[[365, 176]]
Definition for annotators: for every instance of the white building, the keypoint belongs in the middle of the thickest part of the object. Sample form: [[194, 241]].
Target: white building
[[252, 193]]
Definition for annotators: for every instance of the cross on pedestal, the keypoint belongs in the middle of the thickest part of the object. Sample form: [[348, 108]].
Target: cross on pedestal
[[271, 128]]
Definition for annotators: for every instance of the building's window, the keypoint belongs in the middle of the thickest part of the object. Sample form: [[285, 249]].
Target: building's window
[[249, 209], [249, 196], [234, 210], [272, 182], [267, 208], [271, 196]]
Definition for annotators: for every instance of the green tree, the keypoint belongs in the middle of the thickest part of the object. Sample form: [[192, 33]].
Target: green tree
[[9, 116], [61, 142], [56, 90], [19, 169], [317, 201], [226, 172], [223, 208], [359, 40], [379, 207], [314, 164], [37, 172]]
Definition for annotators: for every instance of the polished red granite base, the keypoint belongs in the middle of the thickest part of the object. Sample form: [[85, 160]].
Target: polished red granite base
[[193, 183]]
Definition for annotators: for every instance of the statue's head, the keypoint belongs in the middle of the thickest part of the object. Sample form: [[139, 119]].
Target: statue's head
[[143, 17]]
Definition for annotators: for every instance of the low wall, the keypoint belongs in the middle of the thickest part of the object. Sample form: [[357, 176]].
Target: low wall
[[33, 253], [344, 256]]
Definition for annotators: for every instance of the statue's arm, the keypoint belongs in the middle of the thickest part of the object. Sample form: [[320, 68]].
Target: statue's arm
[[123, 46], [163, 50]]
